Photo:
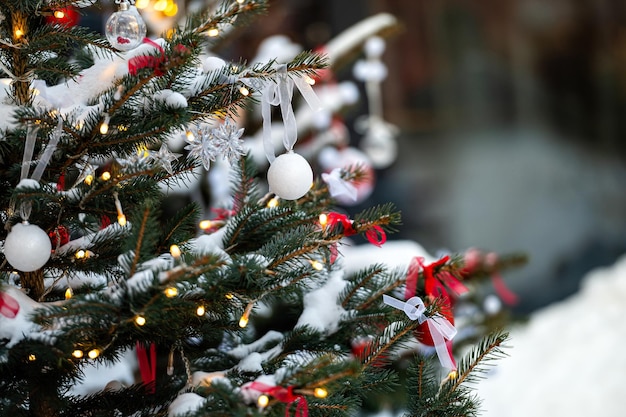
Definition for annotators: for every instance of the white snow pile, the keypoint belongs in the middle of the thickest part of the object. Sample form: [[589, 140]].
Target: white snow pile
[[568, 359]]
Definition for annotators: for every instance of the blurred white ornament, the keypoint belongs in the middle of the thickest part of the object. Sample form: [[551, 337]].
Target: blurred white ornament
[[347, 158], [125, 29], [27, 247], [290, 176], [379, 140]]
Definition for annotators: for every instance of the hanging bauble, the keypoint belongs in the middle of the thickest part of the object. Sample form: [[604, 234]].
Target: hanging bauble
[[125, 29], [290, 176], [27, 247]]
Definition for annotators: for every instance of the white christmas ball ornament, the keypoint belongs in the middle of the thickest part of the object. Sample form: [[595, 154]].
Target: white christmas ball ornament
[[290, 176], [125, 29], [27, 247]]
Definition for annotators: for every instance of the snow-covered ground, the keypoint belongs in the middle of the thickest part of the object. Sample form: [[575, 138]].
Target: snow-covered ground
[[568, 359]]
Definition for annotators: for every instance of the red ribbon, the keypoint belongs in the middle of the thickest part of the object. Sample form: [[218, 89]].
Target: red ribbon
[[375, 235], [147, 366], [9, 307], [147, 61], [433, 283], [284, 395]]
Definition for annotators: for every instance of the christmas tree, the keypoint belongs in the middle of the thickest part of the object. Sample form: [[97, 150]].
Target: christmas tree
[[250, 313]]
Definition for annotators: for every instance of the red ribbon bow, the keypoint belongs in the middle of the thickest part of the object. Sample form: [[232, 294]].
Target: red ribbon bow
[[9, 307], [147, 366], [284, 395], [147, 61], [434, 284], [375, 235]]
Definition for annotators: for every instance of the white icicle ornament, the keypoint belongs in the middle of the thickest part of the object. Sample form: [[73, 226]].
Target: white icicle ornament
[[27, 247], [125, 29], [290, 176]]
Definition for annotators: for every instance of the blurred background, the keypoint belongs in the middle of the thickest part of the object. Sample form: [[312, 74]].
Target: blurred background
[[510, 117]]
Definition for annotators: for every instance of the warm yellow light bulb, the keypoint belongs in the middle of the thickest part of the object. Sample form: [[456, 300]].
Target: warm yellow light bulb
[[205, 224], [59, 14], [317, 265], [121, 220], [243, 321], [190, 136], [171, 292], [213, 32], [32, 357], [323, 219], [69, 293], [104, 128], [453, 374], [244, 91], [171, 10], [200, 311], [263, 401], [229, 296], [240, 1], [320, 392], [160, 5], [142, 4], [273, 202], [78, 354], [140, 320], [80, 254], [106, 175], [309, 80], [175, 251], [93, 353], [18, 33]]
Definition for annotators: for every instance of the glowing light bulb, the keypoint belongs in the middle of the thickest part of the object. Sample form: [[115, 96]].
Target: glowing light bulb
[[244, 91], [320, 392], [32, 357], [78, 354], [160, 5], [309, 80], [106, 175], [229, 296], [175, 251], [273, 202], [200, 311], [213, 32], [453, 374], [205, 224], [121, 219], [59, 14], [140, 320], [317, 265], [190, 136], [104, 128], [18, 33], [243, 321], [240, 1], [263, 401], [89, 179], [69, 293], [142, 4], [80, 254], [171, 10], [93, 353], [171, 292], [323, 219]]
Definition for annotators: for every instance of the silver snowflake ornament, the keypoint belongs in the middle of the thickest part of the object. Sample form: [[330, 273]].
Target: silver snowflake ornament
[[164, 157], [227, 140]]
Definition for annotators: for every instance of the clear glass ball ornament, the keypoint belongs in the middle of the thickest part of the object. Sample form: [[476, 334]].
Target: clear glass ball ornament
[[125, 29]]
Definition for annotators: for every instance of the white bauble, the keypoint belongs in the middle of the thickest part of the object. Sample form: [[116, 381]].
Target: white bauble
[[290, 176], [27, 247]]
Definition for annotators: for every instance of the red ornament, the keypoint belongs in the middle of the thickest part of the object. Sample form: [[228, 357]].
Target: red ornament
[[67, 16], [9, 307]]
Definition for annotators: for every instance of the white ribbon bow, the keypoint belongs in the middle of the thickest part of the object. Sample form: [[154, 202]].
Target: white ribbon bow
[[279, 93], [440, 328], [338, 186]]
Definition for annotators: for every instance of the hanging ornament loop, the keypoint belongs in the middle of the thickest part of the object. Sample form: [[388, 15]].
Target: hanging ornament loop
[[279, 93]]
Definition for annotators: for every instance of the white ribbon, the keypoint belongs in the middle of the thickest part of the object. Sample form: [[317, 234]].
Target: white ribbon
[[338, 186], [439, 327], [279, 93]]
